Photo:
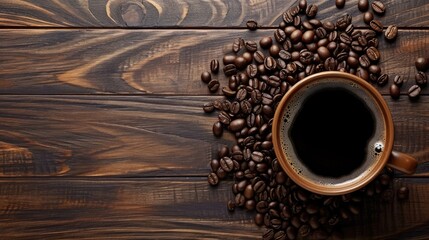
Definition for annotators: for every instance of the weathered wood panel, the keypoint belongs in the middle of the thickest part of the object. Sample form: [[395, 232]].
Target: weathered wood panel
[[140, 135], [171, 208], [145, 61], [187, 13]]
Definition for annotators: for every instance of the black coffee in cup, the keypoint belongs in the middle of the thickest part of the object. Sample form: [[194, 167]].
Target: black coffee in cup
[[331, 131]]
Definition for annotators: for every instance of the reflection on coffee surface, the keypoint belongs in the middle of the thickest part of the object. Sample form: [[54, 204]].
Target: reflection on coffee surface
[[331, 131]]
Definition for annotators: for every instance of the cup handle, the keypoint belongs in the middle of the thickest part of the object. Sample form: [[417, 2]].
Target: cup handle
[[402, 162]]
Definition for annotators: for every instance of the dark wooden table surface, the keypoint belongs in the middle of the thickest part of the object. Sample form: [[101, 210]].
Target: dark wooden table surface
[[102, 134]]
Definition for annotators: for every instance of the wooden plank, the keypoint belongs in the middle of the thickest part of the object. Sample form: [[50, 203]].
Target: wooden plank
[[140, 135], [187, 13], [171, 208], [145, 61]]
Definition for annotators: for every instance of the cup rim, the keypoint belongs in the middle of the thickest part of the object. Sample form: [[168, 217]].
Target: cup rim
[[348, 186]]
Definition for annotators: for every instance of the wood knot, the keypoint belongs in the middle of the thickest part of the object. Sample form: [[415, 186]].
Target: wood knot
[[133, 13]]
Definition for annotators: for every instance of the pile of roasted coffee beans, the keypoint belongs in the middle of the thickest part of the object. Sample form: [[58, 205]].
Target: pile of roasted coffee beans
[[259, 74]]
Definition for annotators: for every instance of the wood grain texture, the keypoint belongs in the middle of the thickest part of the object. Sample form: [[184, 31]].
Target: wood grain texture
[[188, 13], [172, 208], [140, 135], [145, 61]]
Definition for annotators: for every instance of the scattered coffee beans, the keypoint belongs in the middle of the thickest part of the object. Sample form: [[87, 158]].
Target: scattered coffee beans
[[214, 66], [391, 32], [213, 85], [259, 74], [368, 17], [340, 3], [266, 42], [395, 92], [414, 92], [403, 193], [421, 79], [376, 26], [363, 5], [252, 25], [398, 80], [206, 77], [378, 7], [422, 64]]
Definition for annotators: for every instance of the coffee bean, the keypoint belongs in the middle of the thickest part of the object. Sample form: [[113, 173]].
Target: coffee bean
[[294, 10], [368, 17], [206, 77], [273, 81], [208, 107], [213, 179], [270, 63], [265, 42], [259, 220], [224, 117], [329, 26], [259, 57], [378, 7], [296, 36], [252, 70], [364, 61], [249, 192], [395, 92], [252, 25], [230, 206], [259, 186], [213, 85], [240, 200], [236, 125], [331, 64], [304, 230], [340, 3], [421, 79], [382, 80], [251, 46], [248, 57], [344, 38], [281, 63], [398, 80], [311, 11], [332, 36], [268, 234], [246, 107], [214, 164], [291, 232], [403, 193], [414, 92], [280, 35], [391, 32], [363, 5], [214, 66], [308, 36], [343, 22], [280, 235], [306, 57], [375, 69], [274, 50], [229, 69], [422, 64], [257, 156], [236, 45], [362, 73], [240, 63], [373, 54], [226, 164], [376, 25]]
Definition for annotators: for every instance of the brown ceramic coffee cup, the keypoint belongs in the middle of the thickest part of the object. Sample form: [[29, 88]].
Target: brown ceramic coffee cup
[[333, 133]]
